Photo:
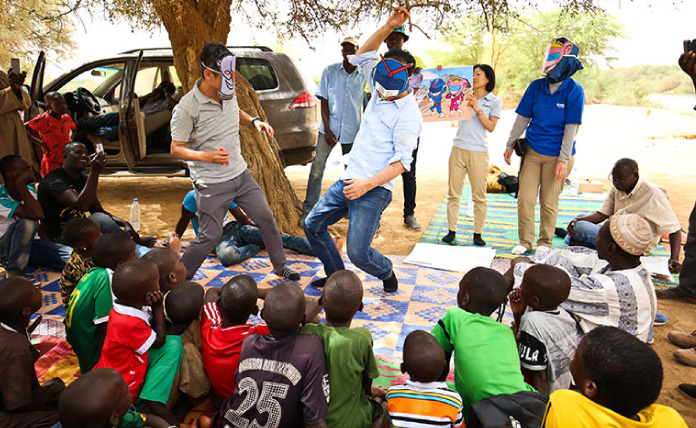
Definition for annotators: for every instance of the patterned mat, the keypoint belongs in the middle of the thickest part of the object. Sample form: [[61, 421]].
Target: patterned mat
[[424, 295], [500, 230]]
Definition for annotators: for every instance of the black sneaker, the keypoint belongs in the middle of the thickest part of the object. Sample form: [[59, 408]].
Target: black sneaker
[[450, 237], [560, 232], [689, 390], [319, 283], [478, 240], [289, 274], [391, 284]]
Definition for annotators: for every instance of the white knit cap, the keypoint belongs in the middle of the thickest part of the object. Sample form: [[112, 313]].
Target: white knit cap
[[631, 232]]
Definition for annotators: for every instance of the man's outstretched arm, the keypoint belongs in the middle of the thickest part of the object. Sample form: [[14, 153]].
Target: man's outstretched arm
[[396, 20]]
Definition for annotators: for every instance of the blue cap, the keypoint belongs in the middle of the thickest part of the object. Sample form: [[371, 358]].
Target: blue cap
[[401, 30]]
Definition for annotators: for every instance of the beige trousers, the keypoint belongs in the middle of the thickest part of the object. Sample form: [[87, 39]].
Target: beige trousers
[[461, 163], [537, 177]]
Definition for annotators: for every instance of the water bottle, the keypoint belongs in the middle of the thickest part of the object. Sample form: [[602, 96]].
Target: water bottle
[[135, 215], [574, 182]]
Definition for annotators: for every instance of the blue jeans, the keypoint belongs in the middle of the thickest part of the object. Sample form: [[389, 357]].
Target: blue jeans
[[365, 214], [316, 173], [104, 125], [587, 234], [241, 241], [19, 249], [108, 225]]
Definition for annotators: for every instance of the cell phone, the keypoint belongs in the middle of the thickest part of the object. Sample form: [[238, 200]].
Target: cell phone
[[98, 148], [690, 45], [15, 65]]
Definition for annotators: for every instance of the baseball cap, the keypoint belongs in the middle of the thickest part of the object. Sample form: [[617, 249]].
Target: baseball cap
[[401, 30], [352, 40]]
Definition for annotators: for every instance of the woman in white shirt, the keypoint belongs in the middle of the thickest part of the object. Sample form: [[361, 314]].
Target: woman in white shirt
[[470, 153]]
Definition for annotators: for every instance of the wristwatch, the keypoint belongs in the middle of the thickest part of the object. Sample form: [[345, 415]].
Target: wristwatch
[[254, 119]]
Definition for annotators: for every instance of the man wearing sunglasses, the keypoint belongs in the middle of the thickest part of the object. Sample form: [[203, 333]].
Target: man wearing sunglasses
[[382, 151], [205, 133]]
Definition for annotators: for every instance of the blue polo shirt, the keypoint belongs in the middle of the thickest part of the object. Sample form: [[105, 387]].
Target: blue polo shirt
[[345, 93], [189, 203], [551, 113]]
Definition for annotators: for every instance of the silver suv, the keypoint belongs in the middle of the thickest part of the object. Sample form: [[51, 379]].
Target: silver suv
[[113, 85]]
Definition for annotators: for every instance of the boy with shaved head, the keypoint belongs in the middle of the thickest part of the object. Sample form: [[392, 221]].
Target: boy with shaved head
[[100, 399], [129, 336], [56, 129], [224, 327], [23, 402], [349, 357], [547, 336], [485, 354], [281, 379], [171, 269], [422, 401]]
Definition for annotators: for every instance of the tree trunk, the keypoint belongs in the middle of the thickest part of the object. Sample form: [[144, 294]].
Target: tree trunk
[[190, 25]]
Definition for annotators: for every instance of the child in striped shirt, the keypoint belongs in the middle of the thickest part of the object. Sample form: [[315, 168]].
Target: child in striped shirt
[[422, 401]]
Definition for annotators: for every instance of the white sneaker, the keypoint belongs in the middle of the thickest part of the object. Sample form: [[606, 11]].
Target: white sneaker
[[541, 252], [518, 250]]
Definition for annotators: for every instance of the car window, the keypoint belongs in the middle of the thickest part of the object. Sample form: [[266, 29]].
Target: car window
[[145, 80], [258, 72], [98, 80], [168, 73]]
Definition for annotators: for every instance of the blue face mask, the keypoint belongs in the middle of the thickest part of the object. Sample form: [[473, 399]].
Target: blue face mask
[[390, 78]]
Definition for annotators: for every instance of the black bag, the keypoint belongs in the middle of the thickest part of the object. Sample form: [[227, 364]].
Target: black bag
[[524, 409], [520, 147], [509, 182]]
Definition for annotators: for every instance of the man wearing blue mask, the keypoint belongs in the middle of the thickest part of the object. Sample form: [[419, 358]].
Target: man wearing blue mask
[[205, 133], [382, 151]]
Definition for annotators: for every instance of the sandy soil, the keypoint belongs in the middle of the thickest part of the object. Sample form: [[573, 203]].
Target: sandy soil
[[657, 139]]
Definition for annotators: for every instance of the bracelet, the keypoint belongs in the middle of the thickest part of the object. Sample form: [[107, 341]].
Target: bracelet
[[254, 119]]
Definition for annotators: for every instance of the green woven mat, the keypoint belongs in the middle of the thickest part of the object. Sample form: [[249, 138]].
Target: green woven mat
[[500, 231]]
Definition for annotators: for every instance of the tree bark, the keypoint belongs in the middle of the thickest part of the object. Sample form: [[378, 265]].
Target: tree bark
[[190, 25]]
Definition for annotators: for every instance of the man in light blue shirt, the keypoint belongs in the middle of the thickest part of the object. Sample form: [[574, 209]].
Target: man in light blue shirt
[[381, 152], [341, 92]]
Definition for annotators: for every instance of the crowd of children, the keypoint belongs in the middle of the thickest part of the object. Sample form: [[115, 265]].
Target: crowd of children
[[126, 318]]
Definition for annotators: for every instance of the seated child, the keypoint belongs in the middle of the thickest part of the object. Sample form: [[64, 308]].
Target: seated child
[[79, 233], [100, 399], [547, 336], [349, 358], [224, 327], [129, 336], [182, 305], [619, 378], [422, 401], [23, 403], [171, 269], [56, 129], [90, 303], [281, 379], [486, 362]]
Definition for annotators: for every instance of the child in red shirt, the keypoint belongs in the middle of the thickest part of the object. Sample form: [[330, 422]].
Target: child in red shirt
[[129, 336], [224, 327], [56, 127]]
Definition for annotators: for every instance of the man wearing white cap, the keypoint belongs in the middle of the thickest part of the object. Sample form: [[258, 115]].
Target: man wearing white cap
[[341, 93], [609, 286]]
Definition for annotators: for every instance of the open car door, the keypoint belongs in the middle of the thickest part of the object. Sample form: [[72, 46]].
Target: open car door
[[131, 119], [36, 93]]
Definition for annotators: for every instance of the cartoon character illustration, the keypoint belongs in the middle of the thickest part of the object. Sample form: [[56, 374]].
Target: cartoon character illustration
[[437, 88], [456, 86]]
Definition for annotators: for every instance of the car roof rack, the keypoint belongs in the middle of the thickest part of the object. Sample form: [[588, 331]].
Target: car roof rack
[[261, 48]]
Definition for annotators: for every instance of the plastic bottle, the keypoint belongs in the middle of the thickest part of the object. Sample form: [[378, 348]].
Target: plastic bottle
[[135, 215], [574, 182]]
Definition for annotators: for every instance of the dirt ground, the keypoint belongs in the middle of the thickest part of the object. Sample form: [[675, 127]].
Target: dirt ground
[[160, 200]]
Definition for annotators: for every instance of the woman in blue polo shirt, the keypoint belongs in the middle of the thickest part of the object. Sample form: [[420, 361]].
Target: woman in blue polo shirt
[[550, 113], [470, 153]]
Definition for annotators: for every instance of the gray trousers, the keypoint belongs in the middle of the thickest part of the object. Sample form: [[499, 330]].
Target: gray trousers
[[213, 201]]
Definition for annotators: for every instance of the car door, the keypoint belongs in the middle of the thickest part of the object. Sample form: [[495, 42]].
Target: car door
[[37, 78], [131, 146]]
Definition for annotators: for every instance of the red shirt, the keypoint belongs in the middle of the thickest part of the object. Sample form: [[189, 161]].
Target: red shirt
[[128, 339], [221, 348], [56, 133]]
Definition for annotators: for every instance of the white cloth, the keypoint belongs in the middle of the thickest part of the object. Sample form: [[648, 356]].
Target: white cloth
[[600, 296]]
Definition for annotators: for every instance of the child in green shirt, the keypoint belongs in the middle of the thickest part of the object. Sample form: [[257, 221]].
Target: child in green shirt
[[486, 362], [91, 302], [350, 361]]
